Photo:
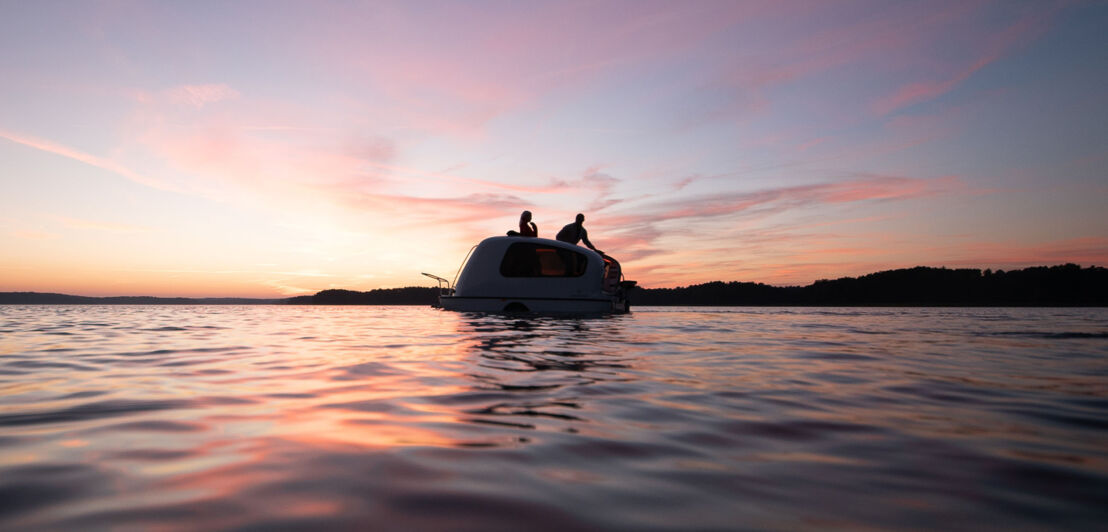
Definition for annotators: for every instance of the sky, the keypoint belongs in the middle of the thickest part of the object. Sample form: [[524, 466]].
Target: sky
[[267, 149]]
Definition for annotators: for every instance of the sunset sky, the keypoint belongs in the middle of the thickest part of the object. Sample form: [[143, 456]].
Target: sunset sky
[[268, 148]]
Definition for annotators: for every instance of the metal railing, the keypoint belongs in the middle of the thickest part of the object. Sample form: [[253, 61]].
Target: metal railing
[[446, 290]]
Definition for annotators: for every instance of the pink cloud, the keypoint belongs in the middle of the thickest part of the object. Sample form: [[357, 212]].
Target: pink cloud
[[887, 43], [888, 188], [469, 69], [33, 234], [196, 96], [883, 36], [375, 149], [97, 225], [709, 229], [797, 257], [812, 143], [267, 144], [919, 92], [228, 158], [200, 95], [555, 186], [86, 158], [994, 47], [860, 189], [1090, 250], [427, 211]]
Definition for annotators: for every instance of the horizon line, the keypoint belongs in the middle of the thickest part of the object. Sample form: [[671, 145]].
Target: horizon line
[[284, 297]]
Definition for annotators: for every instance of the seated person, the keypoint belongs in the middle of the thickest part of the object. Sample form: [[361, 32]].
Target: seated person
[[526, 226], [575, 232]]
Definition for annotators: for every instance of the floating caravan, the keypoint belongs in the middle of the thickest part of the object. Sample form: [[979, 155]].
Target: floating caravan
[[526, 274]]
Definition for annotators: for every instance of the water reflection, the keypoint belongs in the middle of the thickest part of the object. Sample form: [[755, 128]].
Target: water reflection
[[409, 418], [533, 371]]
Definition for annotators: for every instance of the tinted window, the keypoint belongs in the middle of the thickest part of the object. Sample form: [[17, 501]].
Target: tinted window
[[536, 260]]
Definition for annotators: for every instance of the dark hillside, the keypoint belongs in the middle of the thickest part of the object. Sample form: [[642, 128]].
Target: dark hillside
[[410, 295], [1064, 285], [43, 298]]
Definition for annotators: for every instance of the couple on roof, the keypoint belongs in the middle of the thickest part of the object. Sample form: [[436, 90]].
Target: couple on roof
[[571, 233]]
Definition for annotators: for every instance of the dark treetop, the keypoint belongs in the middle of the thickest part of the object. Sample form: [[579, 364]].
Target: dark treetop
[[1065, 285], [40, 298]]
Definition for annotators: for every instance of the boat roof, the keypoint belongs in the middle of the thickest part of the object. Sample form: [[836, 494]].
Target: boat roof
[[536, 240]]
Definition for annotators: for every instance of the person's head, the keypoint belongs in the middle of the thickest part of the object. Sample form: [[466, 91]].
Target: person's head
[[525, 217], [580, 218]]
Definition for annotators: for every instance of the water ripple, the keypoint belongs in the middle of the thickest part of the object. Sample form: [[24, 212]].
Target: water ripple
[[404, 418]]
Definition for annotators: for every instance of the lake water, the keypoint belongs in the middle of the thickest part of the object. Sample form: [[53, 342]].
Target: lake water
[[410, 418]]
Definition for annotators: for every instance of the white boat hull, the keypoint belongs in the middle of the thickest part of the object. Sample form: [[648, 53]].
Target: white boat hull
[[527, 274], [524, 304]]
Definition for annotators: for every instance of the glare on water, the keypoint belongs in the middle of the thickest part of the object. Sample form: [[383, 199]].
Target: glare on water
[[185, 417]]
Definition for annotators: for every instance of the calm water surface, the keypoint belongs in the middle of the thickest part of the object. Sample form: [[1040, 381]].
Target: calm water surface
[[409, 418]]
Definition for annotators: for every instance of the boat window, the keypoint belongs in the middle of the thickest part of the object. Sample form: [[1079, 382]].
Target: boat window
[[536, 260]]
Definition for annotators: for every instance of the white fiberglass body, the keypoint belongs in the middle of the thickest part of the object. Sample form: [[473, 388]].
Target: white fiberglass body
[[510, 273]]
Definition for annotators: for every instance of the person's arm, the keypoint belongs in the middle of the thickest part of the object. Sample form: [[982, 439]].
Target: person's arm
[[585, 239], [534, 229]]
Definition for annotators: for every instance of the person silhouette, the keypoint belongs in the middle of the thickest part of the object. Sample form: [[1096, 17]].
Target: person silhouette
[[575, 232], [526, 226]]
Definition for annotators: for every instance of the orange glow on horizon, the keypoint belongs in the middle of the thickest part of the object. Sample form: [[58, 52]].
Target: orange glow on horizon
[[830, 146]]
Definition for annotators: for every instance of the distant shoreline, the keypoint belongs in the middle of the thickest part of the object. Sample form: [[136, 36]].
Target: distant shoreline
[[44, 298], [1067, 285]]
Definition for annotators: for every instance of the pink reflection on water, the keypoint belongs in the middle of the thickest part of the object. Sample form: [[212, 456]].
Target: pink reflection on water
[[271, 417]]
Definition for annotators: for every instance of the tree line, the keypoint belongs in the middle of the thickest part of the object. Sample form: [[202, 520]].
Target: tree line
[[1062, 285]]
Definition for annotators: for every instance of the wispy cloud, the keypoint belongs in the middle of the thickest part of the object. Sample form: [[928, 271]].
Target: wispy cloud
[[809, 261], [33, 234], [995, 46], [469, 70], [703, 232], [1087, 250], [86, 158], [200, 95], [746, 84], [860, 188], [97, 225], [753, 140], [426, 211]]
